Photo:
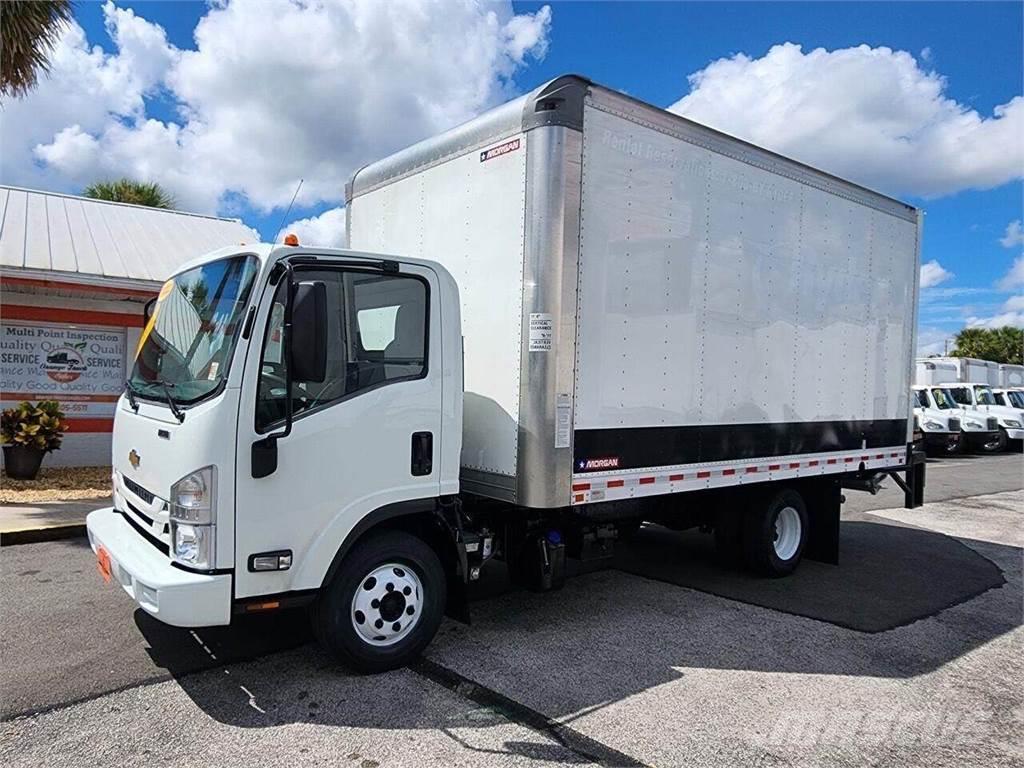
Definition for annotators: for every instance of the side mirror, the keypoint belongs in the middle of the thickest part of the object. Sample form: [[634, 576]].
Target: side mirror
[[147, 310], [308, 343]]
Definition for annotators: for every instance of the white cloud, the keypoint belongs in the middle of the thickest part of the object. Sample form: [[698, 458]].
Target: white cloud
[[1014, 235], [1014, 304], [868, 114], [85, 91], [931, 341], [275, 91], [326, 230], [934, 273], [1015, 277], [1015, 319]]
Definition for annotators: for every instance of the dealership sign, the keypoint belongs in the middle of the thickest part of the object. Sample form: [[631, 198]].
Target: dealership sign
[[83, 368]]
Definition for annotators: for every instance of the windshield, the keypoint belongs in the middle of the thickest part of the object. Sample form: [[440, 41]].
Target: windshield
[[943, 399], [1016, 398], [985, 396], [922, 398], [187, 342]]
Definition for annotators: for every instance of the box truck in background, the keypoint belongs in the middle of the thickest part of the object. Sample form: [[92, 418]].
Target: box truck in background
[[979, 432], [940, 427], [1011, 376], [571, 314], [942, 370]]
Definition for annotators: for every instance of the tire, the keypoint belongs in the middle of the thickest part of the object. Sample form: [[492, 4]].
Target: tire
[[1003, 441], [775, 534], [397, 623]]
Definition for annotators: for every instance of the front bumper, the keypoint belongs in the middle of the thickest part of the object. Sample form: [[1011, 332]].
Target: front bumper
[[172, 595], [981, 440], [942, 442], [1015, 434]]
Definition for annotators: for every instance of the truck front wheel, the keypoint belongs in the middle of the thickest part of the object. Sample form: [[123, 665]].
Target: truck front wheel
[[774, 534], [385, 603]]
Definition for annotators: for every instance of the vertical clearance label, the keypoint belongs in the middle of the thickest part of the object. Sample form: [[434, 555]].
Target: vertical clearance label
[[501, 149], [540, 331]]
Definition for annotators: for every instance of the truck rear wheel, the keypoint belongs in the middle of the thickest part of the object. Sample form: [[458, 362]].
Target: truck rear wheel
[[775, 534], [385, 603]]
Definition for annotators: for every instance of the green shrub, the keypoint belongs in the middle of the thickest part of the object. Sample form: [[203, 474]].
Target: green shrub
[[36, 426]]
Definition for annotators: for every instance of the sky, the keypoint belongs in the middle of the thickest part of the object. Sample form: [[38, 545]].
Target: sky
[[229, 104]]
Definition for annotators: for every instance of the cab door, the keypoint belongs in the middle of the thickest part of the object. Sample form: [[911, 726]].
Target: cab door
[[363, 438]]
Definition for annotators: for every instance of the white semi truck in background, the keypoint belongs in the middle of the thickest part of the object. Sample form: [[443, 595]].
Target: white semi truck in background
[[969, 382], [571, 314]]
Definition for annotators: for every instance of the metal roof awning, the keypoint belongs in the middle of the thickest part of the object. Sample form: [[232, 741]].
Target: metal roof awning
[[52, 236]]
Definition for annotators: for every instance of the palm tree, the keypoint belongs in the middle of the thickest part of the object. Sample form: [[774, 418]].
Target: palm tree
[[29, 30], [130, 191]]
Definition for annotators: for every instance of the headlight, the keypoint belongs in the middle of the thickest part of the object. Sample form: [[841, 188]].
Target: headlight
[[192, 508], [975, 425], [1011, 423], [192, 544], [933, 425], [192, 497]]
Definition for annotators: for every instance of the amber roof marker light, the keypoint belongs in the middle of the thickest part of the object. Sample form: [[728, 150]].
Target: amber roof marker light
[[291, 239]]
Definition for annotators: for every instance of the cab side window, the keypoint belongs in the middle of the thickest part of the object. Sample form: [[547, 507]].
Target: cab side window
[[376, 335]]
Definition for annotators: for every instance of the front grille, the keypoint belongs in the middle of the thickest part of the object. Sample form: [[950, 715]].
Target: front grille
[[954, 425], [138, 490], [140, 514], [993, 423]]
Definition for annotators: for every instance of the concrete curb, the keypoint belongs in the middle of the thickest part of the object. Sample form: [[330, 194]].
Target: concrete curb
[[37, 535]]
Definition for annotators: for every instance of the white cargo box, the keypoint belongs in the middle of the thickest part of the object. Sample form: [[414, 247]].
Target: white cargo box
[[943, 370], [649, 305]]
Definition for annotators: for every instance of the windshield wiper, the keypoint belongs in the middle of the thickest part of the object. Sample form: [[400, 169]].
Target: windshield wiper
[[130, 391], [167, 387]]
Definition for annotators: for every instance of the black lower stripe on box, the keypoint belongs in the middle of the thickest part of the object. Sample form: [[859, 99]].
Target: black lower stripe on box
[[638, 447]]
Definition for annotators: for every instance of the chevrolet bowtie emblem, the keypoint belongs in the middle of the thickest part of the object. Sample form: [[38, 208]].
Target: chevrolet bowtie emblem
[[134, 459]]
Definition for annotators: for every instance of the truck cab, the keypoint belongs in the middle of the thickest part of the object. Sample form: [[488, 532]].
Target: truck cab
[[978, 398], [979, 433], [941, 428], [293, 416]]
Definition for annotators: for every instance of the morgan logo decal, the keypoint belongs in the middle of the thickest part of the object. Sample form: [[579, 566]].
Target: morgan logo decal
[[590, 465], [498, 151], [134, 459]]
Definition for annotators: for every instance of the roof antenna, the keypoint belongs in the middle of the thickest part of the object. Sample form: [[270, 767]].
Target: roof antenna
[[288, 210]]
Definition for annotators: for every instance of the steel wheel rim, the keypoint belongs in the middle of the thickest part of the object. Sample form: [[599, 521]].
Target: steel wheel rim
[[387, 604], [788, 529]]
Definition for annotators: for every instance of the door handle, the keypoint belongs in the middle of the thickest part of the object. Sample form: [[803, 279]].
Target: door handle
[[422, 453]]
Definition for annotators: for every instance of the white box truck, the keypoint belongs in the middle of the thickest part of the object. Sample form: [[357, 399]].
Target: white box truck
[[1011, 376], [571, 314], [943, 370]]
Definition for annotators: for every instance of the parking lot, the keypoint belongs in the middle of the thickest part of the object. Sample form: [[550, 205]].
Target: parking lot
[[909, 652]]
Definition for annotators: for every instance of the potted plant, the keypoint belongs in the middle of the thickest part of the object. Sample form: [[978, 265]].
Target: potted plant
[[29, 432]]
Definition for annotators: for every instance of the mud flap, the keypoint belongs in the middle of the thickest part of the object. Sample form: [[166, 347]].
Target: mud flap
[[824, 501]]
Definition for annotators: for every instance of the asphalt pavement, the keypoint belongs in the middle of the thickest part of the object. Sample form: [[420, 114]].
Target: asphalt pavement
[[909, 653]]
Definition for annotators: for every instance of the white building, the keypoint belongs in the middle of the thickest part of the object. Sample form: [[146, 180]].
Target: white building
[[75, 275]]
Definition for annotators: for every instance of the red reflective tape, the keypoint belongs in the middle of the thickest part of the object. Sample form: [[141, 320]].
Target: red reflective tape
[[848, 459], [646, 480], [581, 487], [702, 475], [773, 467], [673, 478], [812, 463], [751, 470], [831, 461], [794, 465], [579, 497], [865, 458], [728, 471], [894, 455], [880, 456], [616, 483]]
